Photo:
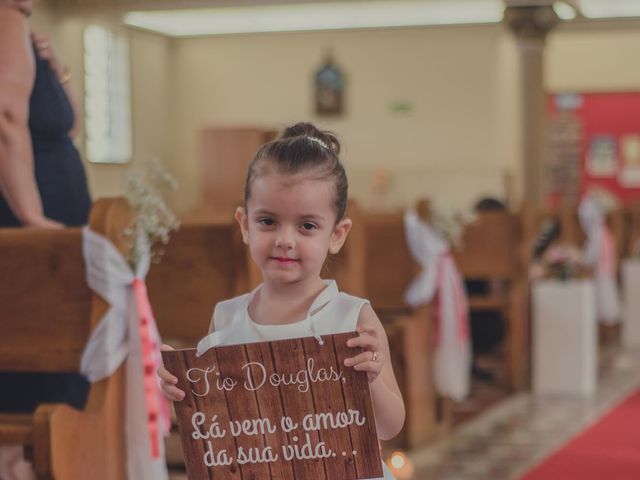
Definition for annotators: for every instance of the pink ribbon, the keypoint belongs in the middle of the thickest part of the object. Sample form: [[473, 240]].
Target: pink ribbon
[[458, 292], [157, 405], [607, 257]]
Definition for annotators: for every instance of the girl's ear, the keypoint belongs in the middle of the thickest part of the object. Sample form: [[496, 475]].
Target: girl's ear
[[339, 235], [243, 221]]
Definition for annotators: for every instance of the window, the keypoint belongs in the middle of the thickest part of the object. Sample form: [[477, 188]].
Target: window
[[107, 99]]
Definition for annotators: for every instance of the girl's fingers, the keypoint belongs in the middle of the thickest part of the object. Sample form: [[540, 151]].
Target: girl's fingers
[[166, 376], [365, 341], [373, 367], [166, 348], [362, 358], [172, 393]]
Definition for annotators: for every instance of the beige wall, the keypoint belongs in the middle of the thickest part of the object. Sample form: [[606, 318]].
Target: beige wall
[[597, 59], [454, 146]]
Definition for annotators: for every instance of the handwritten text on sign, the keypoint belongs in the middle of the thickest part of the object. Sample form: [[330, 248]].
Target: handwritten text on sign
[[285, 409]]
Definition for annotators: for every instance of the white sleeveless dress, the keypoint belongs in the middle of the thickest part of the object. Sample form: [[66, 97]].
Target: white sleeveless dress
[[330, 313]]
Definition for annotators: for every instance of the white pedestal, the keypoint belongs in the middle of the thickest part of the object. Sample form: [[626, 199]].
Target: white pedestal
[[631, 312], [565, 341]]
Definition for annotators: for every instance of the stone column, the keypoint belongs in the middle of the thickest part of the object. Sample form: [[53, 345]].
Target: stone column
[[530, 24]]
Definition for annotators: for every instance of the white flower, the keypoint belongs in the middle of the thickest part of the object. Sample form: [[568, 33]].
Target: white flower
[[153, 218], [450, 223]]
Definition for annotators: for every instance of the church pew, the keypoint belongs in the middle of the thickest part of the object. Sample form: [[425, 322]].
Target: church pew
[[47, 315], [204, 263], [388, 271], [632, 234], [492, 250]]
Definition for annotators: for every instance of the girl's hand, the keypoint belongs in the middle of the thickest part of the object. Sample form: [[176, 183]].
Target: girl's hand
[[168, 381], [372, 359]]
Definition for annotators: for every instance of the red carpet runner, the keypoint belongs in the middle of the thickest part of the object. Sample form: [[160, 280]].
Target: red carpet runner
[[609, 450]]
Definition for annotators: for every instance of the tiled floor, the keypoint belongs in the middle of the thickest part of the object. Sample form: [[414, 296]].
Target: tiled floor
[[521, 431]]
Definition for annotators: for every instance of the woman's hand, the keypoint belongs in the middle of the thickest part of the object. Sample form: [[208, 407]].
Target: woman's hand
[[46, 52], [43, 222], [168, 381], [372, 359]]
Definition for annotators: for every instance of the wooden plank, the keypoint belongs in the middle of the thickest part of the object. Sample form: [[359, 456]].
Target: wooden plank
[[357, 397], [49, 297], [390, 269], [489, 247], [16, 429], [292, 399], [329, 398]]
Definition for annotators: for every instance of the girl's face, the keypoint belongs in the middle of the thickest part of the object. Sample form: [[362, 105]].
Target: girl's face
[[290, 226]]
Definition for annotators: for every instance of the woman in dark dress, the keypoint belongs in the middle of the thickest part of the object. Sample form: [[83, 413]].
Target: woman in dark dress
[[59, 173], [60, 197]]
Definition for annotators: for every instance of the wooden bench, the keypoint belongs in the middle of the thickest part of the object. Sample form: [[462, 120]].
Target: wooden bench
[[47, 315], [204, 263], [491, 250], [632, 228]]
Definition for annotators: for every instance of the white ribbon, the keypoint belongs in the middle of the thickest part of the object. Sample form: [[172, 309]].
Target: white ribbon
[[116, 338], [599, 253], [452, 355]]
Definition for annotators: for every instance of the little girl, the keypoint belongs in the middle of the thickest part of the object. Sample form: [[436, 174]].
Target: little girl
[[293, 216]]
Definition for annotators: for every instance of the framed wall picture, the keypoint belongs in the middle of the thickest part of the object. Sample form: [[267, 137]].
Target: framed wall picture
[[329, 89]]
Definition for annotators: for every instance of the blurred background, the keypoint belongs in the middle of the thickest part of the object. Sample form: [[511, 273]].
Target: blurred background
[[525, 104]]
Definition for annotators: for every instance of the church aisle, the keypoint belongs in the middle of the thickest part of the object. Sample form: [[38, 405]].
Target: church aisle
[[519, 433]]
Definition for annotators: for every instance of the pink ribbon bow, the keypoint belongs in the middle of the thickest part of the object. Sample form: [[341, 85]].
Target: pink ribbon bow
[[157, 405], [461, 311]]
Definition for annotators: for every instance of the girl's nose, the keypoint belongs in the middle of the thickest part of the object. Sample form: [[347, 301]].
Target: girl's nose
[[285, 240]]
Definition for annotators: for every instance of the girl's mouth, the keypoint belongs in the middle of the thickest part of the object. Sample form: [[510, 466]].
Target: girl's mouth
[[284, 259]]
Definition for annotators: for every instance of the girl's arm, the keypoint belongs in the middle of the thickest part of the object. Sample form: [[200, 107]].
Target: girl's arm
[[388, 405]]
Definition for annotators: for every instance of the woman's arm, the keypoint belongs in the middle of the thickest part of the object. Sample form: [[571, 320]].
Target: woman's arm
[[388, 405], [17, 73]]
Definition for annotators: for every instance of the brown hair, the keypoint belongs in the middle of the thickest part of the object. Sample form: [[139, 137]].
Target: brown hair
[[303, 147]]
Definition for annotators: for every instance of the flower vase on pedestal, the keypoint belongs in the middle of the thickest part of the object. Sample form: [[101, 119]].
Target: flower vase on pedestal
[[565, 342]]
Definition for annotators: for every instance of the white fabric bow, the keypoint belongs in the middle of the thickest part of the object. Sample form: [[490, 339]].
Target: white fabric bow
[[117, 338], [599, 253], [439, 278]]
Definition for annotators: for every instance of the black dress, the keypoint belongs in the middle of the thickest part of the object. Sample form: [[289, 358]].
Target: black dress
[[62, 184], [59, 172]]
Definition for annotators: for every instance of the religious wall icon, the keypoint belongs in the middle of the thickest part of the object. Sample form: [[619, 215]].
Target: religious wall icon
[[329, 89]]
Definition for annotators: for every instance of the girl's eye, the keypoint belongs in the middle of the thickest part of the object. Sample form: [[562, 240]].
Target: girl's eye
[[266, 222], [309, 226]]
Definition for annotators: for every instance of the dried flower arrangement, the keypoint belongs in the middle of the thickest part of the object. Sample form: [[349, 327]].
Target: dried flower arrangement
[[450, 223], [154, 221]]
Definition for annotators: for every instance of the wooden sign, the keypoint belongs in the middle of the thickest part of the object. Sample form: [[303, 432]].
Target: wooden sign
[[287, 409]]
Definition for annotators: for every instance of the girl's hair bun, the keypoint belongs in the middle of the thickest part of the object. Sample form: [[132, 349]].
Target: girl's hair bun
[[310, 131]]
